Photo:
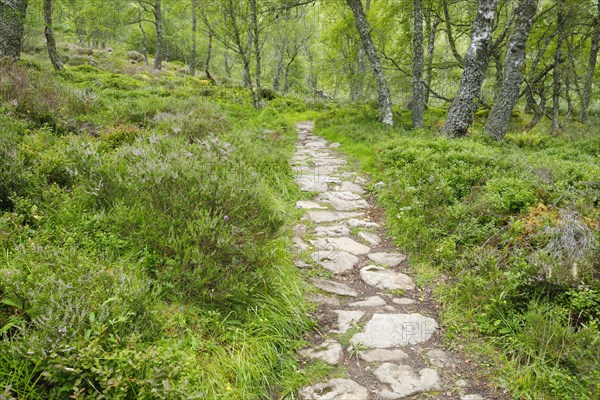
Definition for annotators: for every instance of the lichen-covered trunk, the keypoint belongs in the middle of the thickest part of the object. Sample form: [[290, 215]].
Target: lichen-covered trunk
[[158, 23], [418, 102], [208, 57], [194, 40], [430, 50], [362, 25], [257, 67], [475, 63], [514, 65], [49, 34], [12, 21], [278, 69], [589, 76], [556, 83]]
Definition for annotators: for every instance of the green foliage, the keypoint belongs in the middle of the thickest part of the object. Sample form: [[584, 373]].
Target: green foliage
[[514, 230]]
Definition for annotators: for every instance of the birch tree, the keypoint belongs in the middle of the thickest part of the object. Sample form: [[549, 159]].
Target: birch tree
[[475, 63], [384, 97], [12, 21], [514, 65]]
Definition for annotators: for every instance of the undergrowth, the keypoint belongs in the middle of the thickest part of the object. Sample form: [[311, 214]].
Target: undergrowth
[[509, 231], [142, 254]]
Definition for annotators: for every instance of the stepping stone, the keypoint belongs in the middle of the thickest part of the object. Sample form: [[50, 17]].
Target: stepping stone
[[403, 301], [405, 381], [310, 205], [370, 238], [331, 216], [388, 259], [355, 223], [440, 358], [300, 229], [335, 389], [323, 299], [335, 287], [344, 201], [335, 230], [336, 261], [373, 301], [382, 355], [341, 243], [334, 145], [307, 184], [472, 397], [385, 279], [299, 244], [360, 180], [301, 264], [347, 186], [347, 318], [329, 351], [395, 330]]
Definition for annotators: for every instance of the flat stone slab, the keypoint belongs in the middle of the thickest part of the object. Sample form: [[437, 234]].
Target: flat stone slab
[[299, 244], [370, 238], [341, 243], [440, 358], [403, 301], [348, 318], [385, 279], [310, 205], [347, 186], [334, 287], [472, 397], [395, 330], [373, 301], [324, 299], [405, 381], [331, 216], [329, 351], [388, 259], [335, 389], [334, 230], [382, 355], [344, 201], [355, 223], [336, 261], [308, 184]]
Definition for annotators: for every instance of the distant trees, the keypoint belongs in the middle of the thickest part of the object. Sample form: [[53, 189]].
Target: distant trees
[[432, 53], [12, 20]]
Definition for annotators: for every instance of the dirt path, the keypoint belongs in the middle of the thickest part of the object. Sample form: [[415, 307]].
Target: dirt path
[[373, 319]]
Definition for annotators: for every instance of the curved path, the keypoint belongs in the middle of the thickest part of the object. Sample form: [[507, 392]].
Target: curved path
[[374, 321]]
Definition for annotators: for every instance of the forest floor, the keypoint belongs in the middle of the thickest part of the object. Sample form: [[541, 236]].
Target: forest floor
[[374, 323]]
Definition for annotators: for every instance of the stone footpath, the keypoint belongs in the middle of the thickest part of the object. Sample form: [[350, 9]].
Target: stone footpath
[[394, 345]]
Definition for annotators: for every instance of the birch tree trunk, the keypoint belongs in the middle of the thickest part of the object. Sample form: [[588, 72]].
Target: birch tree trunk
[[589, 76], [514, 65], [194, 40], [158, 57], [362, 25], [255, 29], [556, 83], [208, 57], [12, 21], [278, 69], [50, 41], [144, 40], [418, 101], [430, 50], [475, 63]]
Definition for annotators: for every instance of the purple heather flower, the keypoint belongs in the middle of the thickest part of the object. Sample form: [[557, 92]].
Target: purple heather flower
[[226, 218]]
